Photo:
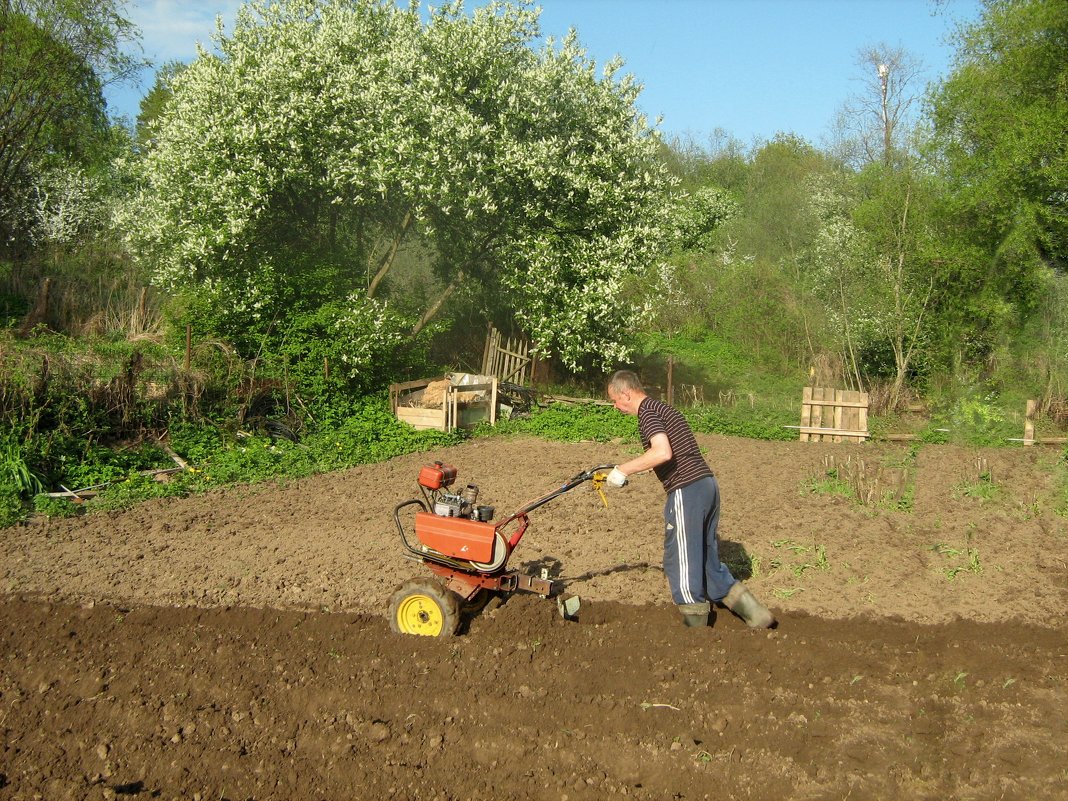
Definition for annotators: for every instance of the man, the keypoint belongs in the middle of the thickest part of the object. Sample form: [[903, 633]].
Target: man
[[695, 574]]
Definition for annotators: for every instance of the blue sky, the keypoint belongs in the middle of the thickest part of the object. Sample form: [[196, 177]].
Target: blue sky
[[750, 67]]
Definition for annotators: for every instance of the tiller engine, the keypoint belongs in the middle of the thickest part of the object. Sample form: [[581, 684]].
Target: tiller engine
[[458, 541]]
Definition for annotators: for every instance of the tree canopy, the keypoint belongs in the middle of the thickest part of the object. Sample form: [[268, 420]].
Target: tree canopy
[[325, 137], [1000, 122], [55, 58]]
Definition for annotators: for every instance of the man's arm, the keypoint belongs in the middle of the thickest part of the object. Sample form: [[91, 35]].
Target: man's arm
[[658, 453]]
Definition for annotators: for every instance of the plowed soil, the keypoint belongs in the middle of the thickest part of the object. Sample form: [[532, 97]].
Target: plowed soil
[[236, 645]]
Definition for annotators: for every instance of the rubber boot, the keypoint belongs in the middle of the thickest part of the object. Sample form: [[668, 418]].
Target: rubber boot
[[744, 604], [695, 615]]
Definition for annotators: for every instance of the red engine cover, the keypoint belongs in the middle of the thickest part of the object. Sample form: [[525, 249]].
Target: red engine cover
[[437, 475], [457, 537]]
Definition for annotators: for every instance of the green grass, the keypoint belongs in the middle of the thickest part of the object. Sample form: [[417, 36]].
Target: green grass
[[828, 484], [982, 488]]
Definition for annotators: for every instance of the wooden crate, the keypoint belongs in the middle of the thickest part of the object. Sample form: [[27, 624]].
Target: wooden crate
[[452, 413]]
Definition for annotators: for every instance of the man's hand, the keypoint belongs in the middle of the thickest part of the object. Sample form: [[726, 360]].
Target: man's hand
[[617, 478]]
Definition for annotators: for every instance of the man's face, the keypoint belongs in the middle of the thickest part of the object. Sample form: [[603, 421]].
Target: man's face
[[622, 400]]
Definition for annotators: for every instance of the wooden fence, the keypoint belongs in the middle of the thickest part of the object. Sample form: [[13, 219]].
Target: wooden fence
[[508, 359], [833, 415], [1032, 413]]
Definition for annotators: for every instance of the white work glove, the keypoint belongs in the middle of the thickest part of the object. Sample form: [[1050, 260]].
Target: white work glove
[[617, 478]]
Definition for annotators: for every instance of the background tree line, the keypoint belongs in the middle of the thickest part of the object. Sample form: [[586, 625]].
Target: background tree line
[[364, 185]]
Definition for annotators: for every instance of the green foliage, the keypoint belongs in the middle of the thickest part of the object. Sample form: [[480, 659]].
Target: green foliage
[[14, 472], [372, 434], [133, 490], [55, 507], [574, 423], [11, 507], [55, 57], [742, 421], [154, 101], [344, 347], [721, 161], [999, 128], [958, 559], [700, 214], [601, 423], [982, 488], [196, 442], [999, 146], [829, 484], [716, 355], [97, 464], [978, 419]]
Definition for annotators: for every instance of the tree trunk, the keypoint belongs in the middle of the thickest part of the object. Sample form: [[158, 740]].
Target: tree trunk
[[435, 307], [391, 254]]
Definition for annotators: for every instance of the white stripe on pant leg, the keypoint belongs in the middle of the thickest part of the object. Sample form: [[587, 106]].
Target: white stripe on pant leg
[[684, 560]]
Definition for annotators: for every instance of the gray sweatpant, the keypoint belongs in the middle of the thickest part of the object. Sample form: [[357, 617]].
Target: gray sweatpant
[[691, 544]]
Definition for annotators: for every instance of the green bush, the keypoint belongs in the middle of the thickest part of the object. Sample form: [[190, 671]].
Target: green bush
[[572, 423], [55, 507], [133, 490], [11, 509], [741, 421], [978, 419], [14, 471], [372, 433]]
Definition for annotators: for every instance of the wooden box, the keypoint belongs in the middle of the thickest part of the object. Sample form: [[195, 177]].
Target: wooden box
[[456, 411]]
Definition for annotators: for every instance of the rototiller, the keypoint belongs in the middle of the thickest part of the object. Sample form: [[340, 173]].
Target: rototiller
[[468, 553]]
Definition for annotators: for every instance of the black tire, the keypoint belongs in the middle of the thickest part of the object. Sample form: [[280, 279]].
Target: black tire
[[423, 607], [475, 605]]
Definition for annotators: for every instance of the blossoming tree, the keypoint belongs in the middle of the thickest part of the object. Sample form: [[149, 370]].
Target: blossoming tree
[[326, 136]]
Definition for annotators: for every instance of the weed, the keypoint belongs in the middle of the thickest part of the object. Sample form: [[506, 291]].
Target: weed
[[829, 484], [798, 568], [971, 562], [14, 470], [982, 489], [755, 561], [821, 558], [11, 510], [980, 484], [783, 592]]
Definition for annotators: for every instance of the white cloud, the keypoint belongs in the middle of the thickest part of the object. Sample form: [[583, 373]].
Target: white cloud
[[171, 29]]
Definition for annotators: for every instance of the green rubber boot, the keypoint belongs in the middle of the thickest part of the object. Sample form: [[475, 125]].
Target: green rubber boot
[[744, 604], [695, 615]]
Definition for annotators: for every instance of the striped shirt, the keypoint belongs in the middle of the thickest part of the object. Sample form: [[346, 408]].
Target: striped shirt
[[686, 464]]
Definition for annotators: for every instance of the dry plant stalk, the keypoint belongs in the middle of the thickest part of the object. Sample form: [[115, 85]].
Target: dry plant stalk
[[870, 484]]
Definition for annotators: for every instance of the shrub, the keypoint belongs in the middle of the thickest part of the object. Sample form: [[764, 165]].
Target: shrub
[[11, 509]]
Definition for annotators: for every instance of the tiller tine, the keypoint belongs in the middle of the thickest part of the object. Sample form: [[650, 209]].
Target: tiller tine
[[569, 608]]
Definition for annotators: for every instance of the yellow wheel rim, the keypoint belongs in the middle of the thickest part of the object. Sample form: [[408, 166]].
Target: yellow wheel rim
[[420, 614]]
